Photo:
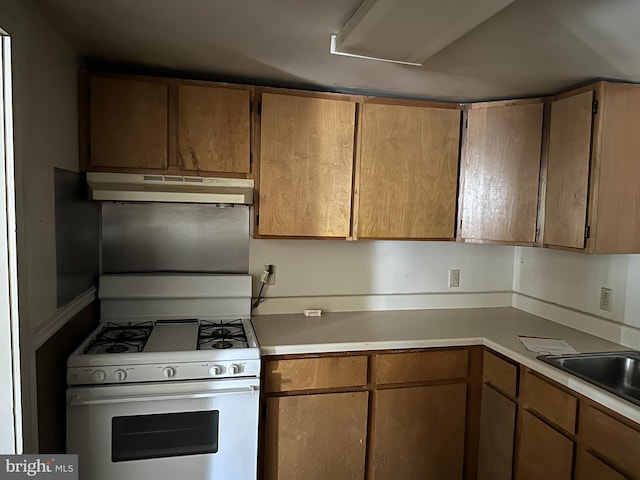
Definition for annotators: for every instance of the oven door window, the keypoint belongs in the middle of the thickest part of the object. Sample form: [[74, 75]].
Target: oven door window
[[164, 435]]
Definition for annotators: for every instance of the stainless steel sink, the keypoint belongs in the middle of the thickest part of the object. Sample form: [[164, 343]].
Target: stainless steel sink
[[617, 372]]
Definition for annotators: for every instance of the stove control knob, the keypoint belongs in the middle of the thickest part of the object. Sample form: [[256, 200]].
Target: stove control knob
[[168, 372], [234, 369], [120, 375], [215, 370], [99, 376]]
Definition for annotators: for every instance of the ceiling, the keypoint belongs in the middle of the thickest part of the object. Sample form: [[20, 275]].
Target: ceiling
[[531, 47]]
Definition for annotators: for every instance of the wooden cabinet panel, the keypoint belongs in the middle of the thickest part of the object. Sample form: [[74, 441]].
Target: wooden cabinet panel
[[589, 467], [568, 171], [497, 436], [316, 437], [500, 373], [613, 439], [543, 453], [408, 172], [306, 166], [501, 166], [618, 195], [310, 373], [421, 366], [128, 123], [419, 432], [550, 402], [213, 129]]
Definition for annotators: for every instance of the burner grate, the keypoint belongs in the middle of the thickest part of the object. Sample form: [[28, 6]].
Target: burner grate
[[120, 338], [222, 334]]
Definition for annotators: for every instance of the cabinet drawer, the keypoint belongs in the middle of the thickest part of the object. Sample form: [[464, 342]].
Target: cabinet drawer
[[613, 439], [312, 373], [552, 403], [499, 373], [421, 366]]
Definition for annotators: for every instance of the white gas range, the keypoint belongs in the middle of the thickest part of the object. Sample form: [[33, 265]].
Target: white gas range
[[168, 385]]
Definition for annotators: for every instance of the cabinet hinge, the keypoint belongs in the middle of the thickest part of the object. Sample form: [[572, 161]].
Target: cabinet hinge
[[257, 220], [251, 159], [594, 107], [259, 108], [587, 231]]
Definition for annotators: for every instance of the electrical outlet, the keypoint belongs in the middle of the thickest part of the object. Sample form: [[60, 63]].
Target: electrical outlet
[[606, 299], [454, 278], [271, 280]]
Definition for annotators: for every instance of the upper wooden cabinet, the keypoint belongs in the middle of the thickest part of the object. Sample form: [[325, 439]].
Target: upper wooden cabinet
[[407, 174], [213, 129], [140, 124], [500, 171], [592, 200], [128, 123], [306, 165], [568, 170]]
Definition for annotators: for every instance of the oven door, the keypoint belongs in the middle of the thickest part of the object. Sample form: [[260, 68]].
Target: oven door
[[201, 429]]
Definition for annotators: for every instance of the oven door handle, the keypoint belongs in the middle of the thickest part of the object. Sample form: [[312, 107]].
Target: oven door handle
[[180, 396]]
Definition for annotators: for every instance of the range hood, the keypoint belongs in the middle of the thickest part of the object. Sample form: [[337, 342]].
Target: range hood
[[128, 187]]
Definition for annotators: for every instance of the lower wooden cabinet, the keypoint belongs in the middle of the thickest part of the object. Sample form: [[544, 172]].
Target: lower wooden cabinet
[[378, 415], [419, 432], [497, 436], [617, 441], [589, 467], [543, 453], [434, 414], [319, 436]]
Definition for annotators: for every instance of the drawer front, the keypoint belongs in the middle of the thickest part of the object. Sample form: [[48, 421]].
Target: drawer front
[[421, 366], [549, 401], [313, 373], [500, 373], [611, 438]]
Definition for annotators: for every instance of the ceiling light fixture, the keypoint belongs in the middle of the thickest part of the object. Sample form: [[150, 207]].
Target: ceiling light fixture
[[409, 31]]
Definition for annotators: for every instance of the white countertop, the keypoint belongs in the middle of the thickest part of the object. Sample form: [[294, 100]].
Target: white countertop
[[496, 328]]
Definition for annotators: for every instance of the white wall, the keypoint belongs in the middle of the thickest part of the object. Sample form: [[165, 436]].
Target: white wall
[[45, 116], [573, 280], [380, 275]]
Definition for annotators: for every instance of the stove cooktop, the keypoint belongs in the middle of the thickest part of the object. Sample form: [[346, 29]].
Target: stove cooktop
[[166, 350], [168, 335]]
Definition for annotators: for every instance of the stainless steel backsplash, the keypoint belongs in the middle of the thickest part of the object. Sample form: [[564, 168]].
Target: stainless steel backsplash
[[174, 237]]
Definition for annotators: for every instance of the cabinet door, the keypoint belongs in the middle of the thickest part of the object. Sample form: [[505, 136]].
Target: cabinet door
[[612, 439], [543, 453], [565, 212], [213, 129], [589, 467], [497, 436], [501, 173], [306, 165], [408, 172], [316, 437], [128, 123], [618, 195], [419, 432]]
